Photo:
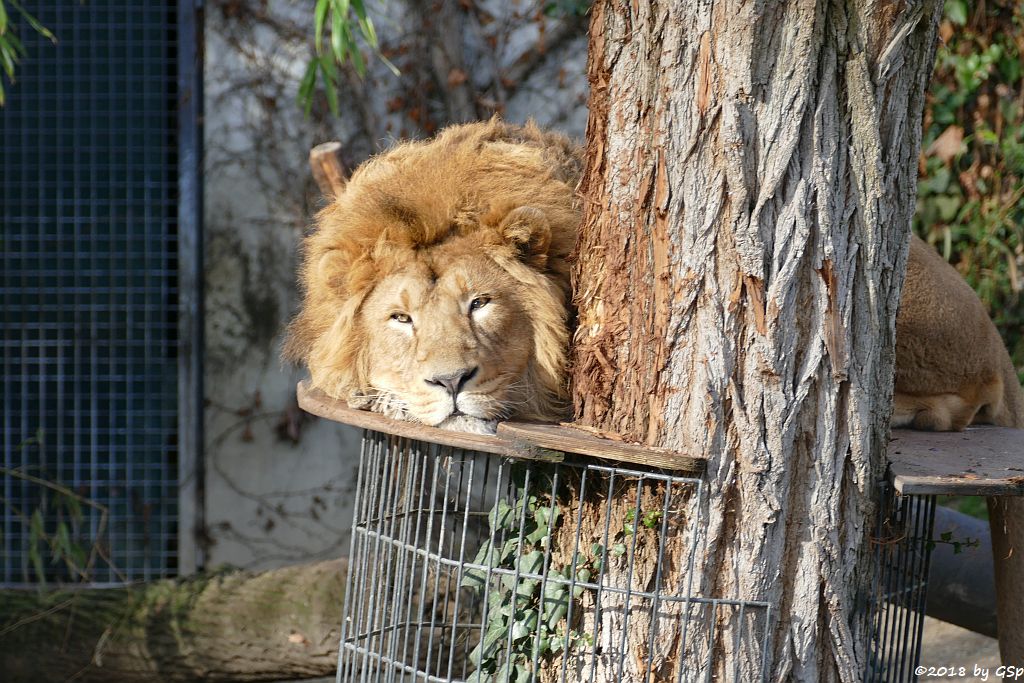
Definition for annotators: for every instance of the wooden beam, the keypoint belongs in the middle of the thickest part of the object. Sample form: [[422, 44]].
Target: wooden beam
[[979, 461], [328, 170]]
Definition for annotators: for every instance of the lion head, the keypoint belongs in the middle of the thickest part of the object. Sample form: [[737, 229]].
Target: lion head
[[437, 284]]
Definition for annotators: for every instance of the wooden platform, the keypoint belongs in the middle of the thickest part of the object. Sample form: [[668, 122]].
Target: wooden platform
[[514, 439], [981, 461]]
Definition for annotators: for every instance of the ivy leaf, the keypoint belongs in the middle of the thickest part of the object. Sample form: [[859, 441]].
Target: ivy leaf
[[501, 516]]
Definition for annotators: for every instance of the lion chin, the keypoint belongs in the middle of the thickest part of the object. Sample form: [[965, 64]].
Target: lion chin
[[437, 287], [470, 424]]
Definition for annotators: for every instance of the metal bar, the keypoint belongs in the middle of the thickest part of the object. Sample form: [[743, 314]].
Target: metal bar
[[637, 512], [191, 474], [602, 574], [922, 595], [350, 575], [575, 557]]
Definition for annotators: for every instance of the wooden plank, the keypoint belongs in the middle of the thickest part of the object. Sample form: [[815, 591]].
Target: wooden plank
[[979, 461], [531, 441], [318, 403], [573, 440]]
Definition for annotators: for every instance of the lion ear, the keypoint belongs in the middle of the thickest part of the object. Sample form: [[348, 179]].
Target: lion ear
[[527, 229]]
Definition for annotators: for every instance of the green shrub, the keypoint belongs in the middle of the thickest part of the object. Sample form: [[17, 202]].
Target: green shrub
[[970, 201]]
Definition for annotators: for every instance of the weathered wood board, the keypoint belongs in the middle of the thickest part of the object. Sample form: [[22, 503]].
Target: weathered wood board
[[514, 439], [318, 403], [979, 461], [573, 440]]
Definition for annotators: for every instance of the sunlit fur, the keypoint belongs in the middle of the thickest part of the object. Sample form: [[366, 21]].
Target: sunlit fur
[[483, 211], [952, 368]]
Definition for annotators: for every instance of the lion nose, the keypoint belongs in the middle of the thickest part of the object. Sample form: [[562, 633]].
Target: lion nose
[[453, 381]]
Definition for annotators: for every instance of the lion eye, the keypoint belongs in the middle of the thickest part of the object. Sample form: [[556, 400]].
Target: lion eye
[[403, 318], [479, 302]]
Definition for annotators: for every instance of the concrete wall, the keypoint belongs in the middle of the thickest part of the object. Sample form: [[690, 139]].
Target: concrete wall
[[279, 484]]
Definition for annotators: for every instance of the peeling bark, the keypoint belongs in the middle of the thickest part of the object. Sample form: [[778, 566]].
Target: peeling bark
[[751, 181]]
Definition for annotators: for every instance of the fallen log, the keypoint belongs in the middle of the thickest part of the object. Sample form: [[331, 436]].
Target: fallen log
[[225, 626]]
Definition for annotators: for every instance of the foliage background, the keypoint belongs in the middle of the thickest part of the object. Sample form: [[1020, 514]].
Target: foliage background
[[971, 190]]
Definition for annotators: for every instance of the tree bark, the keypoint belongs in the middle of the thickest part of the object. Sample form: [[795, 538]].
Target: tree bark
[[750, 185], [234, 626]]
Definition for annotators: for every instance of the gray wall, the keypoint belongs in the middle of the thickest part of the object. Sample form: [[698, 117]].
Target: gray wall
[[279, 484]]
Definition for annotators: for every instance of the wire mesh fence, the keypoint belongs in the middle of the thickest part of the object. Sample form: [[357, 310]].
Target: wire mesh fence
[[467, 566], [89, 345], [894, 610]]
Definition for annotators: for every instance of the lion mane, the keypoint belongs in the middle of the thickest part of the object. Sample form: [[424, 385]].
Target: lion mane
[[491, 187]]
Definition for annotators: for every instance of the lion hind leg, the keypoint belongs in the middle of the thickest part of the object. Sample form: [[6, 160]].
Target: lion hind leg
[[936, 413]]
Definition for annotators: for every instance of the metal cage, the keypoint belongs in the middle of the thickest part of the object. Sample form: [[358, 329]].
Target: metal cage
[[458, 572]]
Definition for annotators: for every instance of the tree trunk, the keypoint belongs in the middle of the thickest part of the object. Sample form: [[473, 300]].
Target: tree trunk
[[235, 626], [751, 181]]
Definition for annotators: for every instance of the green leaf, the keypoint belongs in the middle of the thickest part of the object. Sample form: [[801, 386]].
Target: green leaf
[[61, 542], [35, 536], [491, 642], [357, 57], [947, 206], [501, 516], [7, 60], [370, 33], [651, 519], [33, 22], [74, 508], [531, 563], [306, 85], [330, 77], [476, 578], [525, 624], [956, 11], [320, 19], [338, 45], [479, 676], [987, 136]]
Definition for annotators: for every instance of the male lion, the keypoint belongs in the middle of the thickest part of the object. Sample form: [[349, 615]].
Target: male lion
[[437, 284], [437, 290]]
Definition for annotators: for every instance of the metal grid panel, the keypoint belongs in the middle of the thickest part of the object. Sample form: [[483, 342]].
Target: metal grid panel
[[88, 288], [895, 609], [466, 566]]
